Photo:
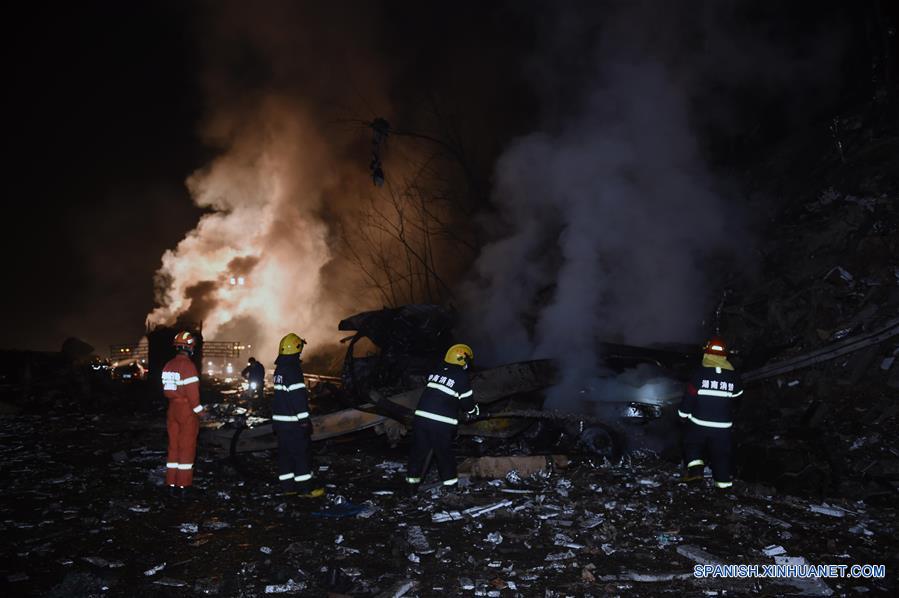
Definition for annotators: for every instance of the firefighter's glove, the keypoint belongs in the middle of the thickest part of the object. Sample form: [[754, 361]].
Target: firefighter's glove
[[473, 414]]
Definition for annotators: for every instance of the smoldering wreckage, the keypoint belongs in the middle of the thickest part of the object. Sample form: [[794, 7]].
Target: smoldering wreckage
[[574, 502], [578, 499]]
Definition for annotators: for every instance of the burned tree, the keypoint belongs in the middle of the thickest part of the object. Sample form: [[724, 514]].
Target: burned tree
[[412, 237]]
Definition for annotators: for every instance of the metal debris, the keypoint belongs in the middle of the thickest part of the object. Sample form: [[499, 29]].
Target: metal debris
[[646, 577], [399, 589], [826, 509], [417, 540], [478, 511], [444, 516], [560, 556], [697, 555], [170, 583], [154, 570], [763, 516], [812, 586], [285, 588]]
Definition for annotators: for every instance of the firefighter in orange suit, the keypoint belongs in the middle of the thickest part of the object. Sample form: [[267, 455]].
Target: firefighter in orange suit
[[181, 386]]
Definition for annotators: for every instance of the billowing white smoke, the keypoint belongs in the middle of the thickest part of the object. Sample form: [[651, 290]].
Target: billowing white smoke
[[606, 223], [263, 229]]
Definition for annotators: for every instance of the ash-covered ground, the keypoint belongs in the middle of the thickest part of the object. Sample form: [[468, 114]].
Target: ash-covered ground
[[84, 514]]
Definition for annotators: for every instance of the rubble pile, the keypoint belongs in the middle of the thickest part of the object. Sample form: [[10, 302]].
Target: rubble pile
[[84, 513], [831, 270], [827, 311]]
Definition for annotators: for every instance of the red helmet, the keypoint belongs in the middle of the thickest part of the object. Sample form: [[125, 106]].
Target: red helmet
[[185, 340], [716, 346]]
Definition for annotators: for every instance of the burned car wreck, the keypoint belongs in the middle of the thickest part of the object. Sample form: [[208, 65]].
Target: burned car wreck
[[632, 408]]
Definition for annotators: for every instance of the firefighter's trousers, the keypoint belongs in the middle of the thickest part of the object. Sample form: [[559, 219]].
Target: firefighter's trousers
[[701, 441], [429, 435], [183, 426], [294, 455]]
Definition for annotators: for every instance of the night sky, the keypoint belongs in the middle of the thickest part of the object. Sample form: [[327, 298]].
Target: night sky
[[109, 105], [103, 118]]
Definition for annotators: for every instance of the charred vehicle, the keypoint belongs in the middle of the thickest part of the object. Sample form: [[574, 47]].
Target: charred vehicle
[[392, 349], [630, 406]]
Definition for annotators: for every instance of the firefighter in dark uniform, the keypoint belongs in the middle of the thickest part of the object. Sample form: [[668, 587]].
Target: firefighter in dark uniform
[[436, 419], [708, 406], [290, 420], [254, 374]]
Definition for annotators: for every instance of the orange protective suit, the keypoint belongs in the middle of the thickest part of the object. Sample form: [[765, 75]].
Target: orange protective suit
[[181, 385]]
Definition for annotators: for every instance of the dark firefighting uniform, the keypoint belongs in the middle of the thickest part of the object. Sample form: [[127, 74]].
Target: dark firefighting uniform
[[708, 404], [255, 372], [181, 386], [290, 420], [434, 427]]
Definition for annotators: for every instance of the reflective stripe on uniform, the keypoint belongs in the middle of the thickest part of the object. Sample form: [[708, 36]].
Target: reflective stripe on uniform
[[435, 417], [285, 418], [736, 394], [724, 484], [185, 466], [707, 424], [285, 476], [444, 389], [302, 478], [450, 482], [172, 465], [302, 415], [466, 394], [187, 381], [695, 462], [292, 387], [714, 393], [413, 480], [198, 408], [682, 414]]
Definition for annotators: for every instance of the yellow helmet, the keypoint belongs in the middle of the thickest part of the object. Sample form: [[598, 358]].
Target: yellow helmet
[[459, 355], [291, 344]]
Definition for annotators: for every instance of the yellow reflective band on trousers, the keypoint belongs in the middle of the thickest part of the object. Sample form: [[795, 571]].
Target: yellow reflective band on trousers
[[436, 417], [413, 480], [695, 462], [724, 484], [708, 424], [451, 482]]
